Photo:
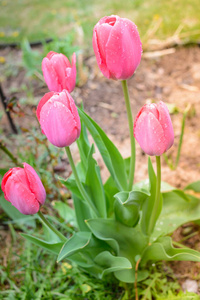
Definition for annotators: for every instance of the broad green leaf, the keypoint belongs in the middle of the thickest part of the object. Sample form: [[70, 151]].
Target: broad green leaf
[[78, 241], [109, 152], [125, 241], [149, 203], [127, 207], [176, 211], [66, 212], [82, 213], [55, 247], [15, 215], [83, 145], [94, 183], [194, 186], [112, 263], [110, 190], [129, 275], [162, 249]]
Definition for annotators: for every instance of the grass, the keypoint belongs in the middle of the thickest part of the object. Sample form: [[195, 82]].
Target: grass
[[42, 19]]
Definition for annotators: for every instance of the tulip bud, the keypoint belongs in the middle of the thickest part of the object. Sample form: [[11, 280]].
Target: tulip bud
[[59, 118], [23, 188], [153, 129], [117, 47], [58, 73]]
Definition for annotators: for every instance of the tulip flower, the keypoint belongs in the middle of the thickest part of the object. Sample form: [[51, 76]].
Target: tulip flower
[[153, 129], [23, 188], [117, 47], [59, 119], [58, 73]]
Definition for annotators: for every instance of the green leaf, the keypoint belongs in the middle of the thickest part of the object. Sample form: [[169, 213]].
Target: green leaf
[[82, 213], [66, 212], [94, 183], [109, 152], [127, 207], [15, 215], [125, 241], [162, 249], [112, 263], [55, 248], [194, 186], [176, 211], [83, 145], [149, 203], [77, 242], [128, 276], [110, 190]]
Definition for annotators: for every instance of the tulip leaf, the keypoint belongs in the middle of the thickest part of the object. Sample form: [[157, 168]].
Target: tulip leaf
[[52, 247], [83, 145], [176, 211], [127, 207], [128, 276], [82, 213], [66, 212], [149, 203], [194, 186], [108, 150], [94, 183], [162, 249], [110, 190], [77, 242], [125, 241], [112, 263]]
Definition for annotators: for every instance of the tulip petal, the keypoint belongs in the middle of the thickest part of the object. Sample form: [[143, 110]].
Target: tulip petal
[[50, 75], [70, 75], [100, 59], [35, 183], [124, 49], [166, 123], [44, 99], [58, 124], [20, 196], [149, 134]]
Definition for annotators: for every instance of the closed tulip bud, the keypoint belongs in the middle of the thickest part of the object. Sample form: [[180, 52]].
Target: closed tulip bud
[[59, 118], [23, 188], [117, 47], [153, 129], [58, 73]]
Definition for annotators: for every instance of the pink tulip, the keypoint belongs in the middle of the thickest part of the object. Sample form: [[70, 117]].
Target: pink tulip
[[117, 47], [59, 119], [58, 73], [23, 188], [153, 129]]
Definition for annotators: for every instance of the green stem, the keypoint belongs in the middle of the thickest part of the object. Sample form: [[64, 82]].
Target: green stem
[[9, 154], [79, 184], [181, 136], [46, 222], [157, 196], [130, 123]]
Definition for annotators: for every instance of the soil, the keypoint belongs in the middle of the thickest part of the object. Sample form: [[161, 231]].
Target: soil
[[172, 78]]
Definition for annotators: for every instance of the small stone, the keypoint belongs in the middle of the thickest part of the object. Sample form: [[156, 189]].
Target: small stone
[[190, 286]]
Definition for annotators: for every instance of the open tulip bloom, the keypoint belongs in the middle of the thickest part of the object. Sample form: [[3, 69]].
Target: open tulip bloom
[[120, 225]]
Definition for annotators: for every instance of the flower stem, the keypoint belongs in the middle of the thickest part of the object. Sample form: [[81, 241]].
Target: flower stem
[[181, 136], [157, 196], [130, 123], [79, 184], [46, 222]]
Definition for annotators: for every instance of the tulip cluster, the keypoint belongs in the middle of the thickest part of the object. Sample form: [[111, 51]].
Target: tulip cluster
[[118, 51]]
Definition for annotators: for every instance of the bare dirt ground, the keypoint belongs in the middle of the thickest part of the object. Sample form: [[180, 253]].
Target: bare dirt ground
[[174, 79]]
